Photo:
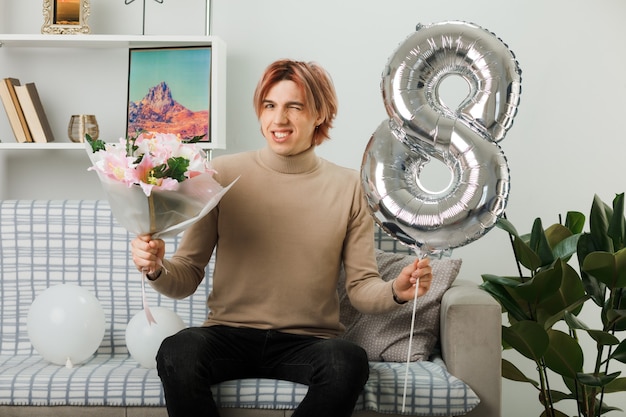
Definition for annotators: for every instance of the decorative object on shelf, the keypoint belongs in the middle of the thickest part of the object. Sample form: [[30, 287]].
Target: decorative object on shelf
[[127, 2], [34, 113], [14, 111], [65, 17], [169, 91], [207, 19], [143, 25], [81, 124]]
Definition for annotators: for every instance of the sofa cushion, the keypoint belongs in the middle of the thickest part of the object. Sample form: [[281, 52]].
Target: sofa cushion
[[434, 391], [117, 380], [385, 337]]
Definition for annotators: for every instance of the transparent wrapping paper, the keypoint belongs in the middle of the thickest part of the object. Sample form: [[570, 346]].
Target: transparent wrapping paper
[[163, 213]]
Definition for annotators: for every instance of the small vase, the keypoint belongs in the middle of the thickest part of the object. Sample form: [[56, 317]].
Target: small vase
[[81, 124]]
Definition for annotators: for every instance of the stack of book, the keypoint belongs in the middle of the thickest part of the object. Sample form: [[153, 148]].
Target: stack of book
[[25, 111]]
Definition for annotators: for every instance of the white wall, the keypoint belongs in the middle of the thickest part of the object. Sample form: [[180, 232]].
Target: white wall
[[566, 143]]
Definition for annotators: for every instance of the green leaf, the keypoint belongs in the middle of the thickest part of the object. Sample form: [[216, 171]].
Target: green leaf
[[619, 354], [608, 268], [600, 265], [607, 408], [556, 413], [571, 384], [564, 355], [528, 338], [526, 256], [175, 168], [510, 371], [617, 230], [574, 307], [508, 303], [96, 144], [523, 252], [556, 234], [557, 396], [604, 409], [617, 385], [194, 139], [504, 281], [574, 322], [543, 285], [617, 319], [507, 226], [603, 338], [566, 247], [593, 287], [575, 222], [539, 243], [599, 380], [570, 296], [599, 224], [620, 265]]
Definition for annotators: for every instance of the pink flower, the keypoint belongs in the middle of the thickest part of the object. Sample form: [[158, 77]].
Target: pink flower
[[153, 161]]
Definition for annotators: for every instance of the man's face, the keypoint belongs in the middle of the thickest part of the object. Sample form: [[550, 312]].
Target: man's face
[[286, 121]]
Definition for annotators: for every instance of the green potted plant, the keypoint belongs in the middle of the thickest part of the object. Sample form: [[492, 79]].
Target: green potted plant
[[542, 305]]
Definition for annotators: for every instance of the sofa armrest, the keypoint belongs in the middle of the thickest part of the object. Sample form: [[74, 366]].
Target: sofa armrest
[[471, 323]]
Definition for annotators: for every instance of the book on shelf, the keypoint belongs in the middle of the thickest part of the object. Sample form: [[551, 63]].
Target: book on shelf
[[33, 111], [14, 111]]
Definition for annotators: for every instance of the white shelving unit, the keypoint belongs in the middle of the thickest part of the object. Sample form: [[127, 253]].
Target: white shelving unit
[[104, 41], [8, 146], [86, 74], [78, 42]]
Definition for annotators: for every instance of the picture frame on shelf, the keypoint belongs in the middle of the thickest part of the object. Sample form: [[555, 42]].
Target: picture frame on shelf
[[66, 17], [169, 91]]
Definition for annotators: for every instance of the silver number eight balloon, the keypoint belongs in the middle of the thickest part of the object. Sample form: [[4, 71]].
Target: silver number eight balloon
[[421, 129]]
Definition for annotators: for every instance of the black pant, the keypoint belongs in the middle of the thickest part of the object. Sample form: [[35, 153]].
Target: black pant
[[192, 360]]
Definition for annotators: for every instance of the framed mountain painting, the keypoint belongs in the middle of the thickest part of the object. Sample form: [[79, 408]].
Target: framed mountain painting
[[169, 91]]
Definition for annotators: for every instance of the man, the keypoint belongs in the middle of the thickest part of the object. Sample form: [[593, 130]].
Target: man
[[280, 236]]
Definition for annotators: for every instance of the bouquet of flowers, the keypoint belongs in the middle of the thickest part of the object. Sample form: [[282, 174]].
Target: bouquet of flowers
[[155, 183]]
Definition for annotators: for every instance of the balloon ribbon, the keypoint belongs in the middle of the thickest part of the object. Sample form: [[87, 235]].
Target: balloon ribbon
[[144, 273], [408, 354], [421, 255], [146, 307]]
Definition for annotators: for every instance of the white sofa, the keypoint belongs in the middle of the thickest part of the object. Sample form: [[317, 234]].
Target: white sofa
[[44, 243]]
